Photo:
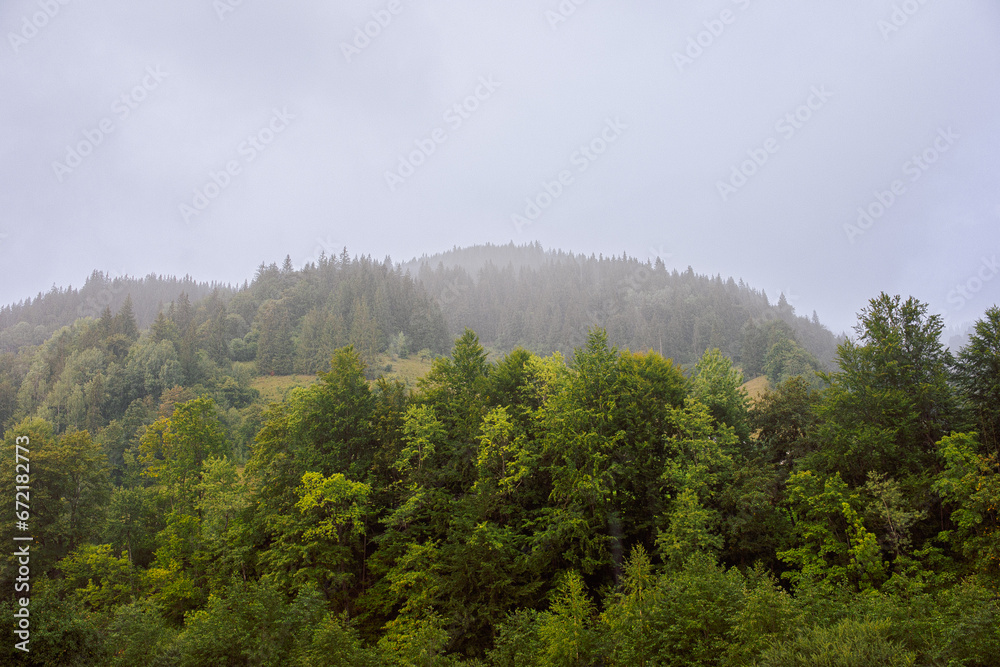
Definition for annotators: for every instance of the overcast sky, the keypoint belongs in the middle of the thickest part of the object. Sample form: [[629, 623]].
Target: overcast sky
[[738, 137]]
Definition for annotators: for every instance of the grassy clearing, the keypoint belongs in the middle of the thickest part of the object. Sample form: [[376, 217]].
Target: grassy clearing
[[408, 370], [275, 388], [756, 387]]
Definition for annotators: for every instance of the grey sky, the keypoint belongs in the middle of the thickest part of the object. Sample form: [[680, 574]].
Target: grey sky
[[309, 129]]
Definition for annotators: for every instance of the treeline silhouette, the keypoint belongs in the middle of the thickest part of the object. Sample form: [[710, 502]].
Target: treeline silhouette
[[546, 301], [289, 320]]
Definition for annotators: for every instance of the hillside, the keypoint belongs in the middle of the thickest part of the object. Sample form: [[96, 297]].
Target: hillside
[[546, 301], [315, 446], [289, 321], [33, 320], [542, 300], [612, 509]]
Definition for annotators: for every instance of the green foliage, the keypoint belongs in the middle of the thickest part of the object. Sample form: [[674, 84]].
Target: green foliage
[[891, 401], [579, 445], [274, 347], [63, 632], [400, 346], [699, 464], [174, 449], [751, 521], [849, 643], [566, 630], [132, 522], [498, 459], [250, 624], [759, 339], [328, 531], [719, 386], [768, 616], [335, 643], [682, 617], [833, 547], [222, 506], [970, 485], [691, 530], [458, 383], [422, 430], [977, 374], [415, 640], [629, 612], [138, 634], [333, 418], [364, 334], [177, 577], [888, 512], [67, 491], [521, 511], [518, 643], [787, 359], [94, 576], [784, 421]]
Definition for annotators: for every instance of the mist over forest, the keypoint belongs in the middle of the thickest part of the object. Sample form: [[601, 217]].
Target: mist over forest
[[500, 334], [498, 455]]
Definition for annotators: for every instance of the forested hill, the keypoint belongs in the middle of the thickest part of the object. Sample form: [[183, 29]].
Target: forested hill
[[609, 508], [92, 370], [547, 300], [33, 320], [543, 300], [306, 312], [473, 258]]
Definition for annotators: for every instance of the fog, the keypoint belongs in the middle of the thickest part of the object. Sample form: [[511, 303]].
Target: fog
[[828, 152]]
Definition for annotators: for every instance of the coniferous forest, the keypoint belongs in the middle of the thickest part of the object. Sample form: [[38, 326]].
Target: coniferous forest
[[580, 478]]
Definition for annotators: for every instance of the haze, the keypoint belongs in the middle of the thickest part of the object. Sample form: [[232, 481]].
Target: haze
[[739, 138]]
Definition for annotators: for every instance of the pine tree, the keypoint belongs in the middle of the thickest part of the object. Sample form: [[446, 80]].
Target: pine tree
[[891, 401], [124, 322], [977, 374], [275, 347], [365, 335], [183, 314]]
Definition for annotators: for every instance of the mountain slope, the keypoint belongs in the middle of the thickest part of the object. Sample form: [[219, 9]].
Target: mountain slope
[[547, 300]]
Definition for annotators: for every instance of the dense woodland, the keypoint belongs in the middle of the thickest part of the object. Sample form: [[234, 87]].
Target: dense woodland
[[546, 301], [592, 506], [512, 296], [32, 321]]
